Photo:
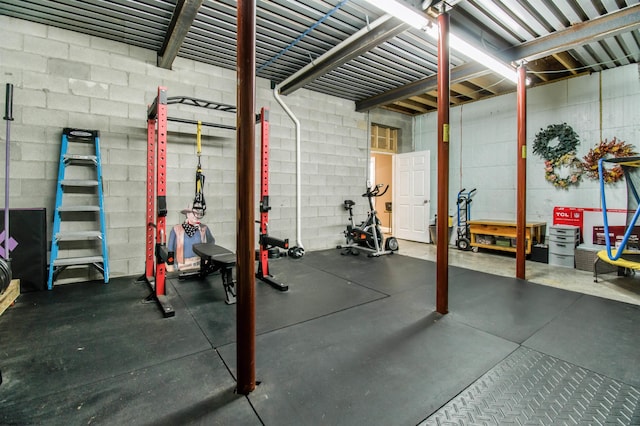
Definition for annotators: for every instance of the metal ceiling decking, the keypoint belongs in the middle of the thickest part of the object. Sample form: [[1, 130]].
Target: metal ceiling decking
[[559, 39]]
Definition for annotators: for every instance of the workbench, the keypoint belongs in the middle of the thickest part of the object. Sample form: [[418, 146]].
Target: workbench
[[501, 235]]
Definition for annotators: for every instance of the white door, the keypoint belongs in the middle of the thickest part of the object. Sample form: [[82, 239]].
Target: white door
[[411, 193]]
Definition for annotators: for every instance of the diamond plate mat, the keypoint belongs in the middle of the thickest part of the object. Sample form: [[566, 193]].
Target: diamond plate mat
[[531, 388]]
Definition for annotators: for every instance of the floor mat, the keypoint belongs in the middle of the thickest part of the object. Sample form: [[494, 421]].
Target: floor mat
[[529, 387]]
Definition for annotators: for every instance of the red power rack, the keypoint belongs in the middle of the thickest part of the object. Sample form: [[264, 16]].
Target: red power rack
[[266, 242], [156, 248]]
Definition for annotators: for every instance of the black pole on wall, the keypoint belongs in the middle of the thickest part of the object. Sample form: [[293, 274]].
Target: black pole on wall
[[5, 263]]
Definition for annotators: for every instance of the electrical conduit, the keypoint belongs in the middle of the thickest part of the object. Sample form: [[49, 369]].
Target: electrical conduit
[[295, 120], [301, 36]]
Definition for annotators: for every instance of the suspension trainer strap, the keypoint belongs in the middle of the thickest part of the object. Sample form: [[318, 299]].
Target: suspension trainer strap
[[199, 204]]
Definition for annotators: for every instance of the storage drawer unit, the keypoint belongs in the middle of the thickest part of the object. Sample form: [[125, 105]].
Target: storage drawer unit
[[563, 240], [570, 231], [562, 248], [566, 260]]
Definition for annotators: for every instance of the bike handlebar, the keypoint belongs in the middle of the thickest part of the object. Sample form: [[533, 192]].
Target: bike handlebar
[[374, 191]]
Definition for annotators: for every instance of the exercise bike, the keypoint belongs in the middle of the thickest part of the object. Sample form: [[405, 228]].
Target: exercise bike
[[368, 235]]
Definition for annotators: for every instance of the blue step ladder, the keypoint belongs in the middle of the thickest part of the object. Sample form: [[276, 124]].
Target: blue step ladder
[[79, 238]]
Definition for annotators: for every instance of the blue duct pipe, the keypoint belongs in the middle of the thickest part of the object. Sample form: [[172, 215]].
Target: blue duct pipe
[[301, 36], [630, 225]]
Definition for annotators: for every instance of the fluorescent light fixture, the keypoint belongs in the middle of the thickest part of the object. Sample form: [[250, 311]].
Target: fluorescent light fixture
[[403, 12], [419, 21], [483, 58]]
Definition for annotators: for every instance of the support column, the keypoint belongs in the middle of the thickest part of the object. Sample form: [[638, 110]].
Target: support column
[[521, 191], [442, 253], [245, 265]]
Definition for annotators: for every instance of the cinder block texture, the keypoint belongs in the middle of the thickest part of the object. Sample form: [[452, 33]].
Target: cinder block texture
[[66, 79]]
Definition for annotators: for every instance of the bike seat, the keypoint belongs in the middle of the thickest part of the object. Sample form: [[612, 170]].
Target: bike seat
[[348, 204]]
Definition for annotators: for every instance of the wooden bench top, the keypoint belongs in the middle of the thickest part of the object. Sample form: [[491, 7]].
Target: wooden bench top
[[492, 222]]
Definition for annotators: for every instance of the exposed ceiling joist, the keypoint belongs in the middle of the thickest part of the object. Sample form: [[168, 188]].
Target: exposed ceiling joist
[[567, 61], [465, 90], [361, 42], [536, 69], [425, 100], [340, 48], [609, 25], [458, 74], [181, 21], [412, 105], [606, 26]]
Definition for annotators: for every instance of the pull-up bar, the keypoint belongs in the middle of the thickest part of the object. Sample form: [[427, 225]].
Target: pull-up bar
[[204, 123], [152, 111], [201, 103]]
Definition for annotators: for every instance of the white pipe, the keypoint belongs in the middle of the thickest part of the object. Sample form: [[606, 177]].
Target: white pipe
[[276, 95], [295, 120]]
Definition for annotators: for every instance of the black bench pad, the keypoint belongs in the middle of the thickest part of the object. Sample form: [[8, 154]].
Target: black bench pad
[[219, 255]]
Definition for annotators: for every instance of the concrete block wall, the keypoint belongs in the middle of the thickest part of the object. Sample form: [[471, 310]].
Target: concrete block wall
[[483, 145], [66, 79]]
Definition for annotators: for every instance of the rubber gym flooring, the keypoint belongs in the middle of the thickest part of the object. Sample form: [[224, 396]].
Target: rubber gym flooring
[[355, 341]]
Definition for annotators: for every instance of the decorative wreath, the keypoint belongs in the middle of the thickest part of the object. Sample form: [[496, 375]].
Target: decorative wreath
[[567, 141], [575, 171], [607, 149]]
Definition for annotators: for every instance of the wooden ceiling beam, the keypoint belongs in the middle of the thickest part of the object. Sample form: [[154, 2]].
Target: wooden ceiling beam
[[535, 69], [426, 100], [400, 109], [465, 90], [568, 62], [413, 105], [487, 84]]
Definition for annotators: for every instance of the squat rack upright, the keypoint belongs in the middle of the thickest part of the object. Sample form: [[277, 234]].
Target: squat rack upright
[[156, 252]]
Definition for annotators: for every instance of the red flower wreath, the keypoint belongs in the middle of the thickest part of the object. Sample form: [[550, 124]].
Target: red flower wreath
[[606, 149]]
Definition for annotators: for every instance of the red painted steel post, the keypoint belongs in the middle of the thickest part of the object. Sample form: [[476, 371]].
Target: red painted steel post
[[521, 208], [161, 187], [151, 172], [442, 253], [264, 187], [245, 263]]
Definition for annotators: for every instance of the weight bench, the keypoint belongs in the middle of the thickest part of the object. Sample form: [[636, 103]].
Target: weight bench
[[214, 258]]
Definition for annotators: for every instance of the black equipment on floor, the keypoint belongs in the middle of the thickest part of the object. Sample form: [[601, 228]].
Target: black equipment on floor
[[368, 235], [28, 245], [215, 258]]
